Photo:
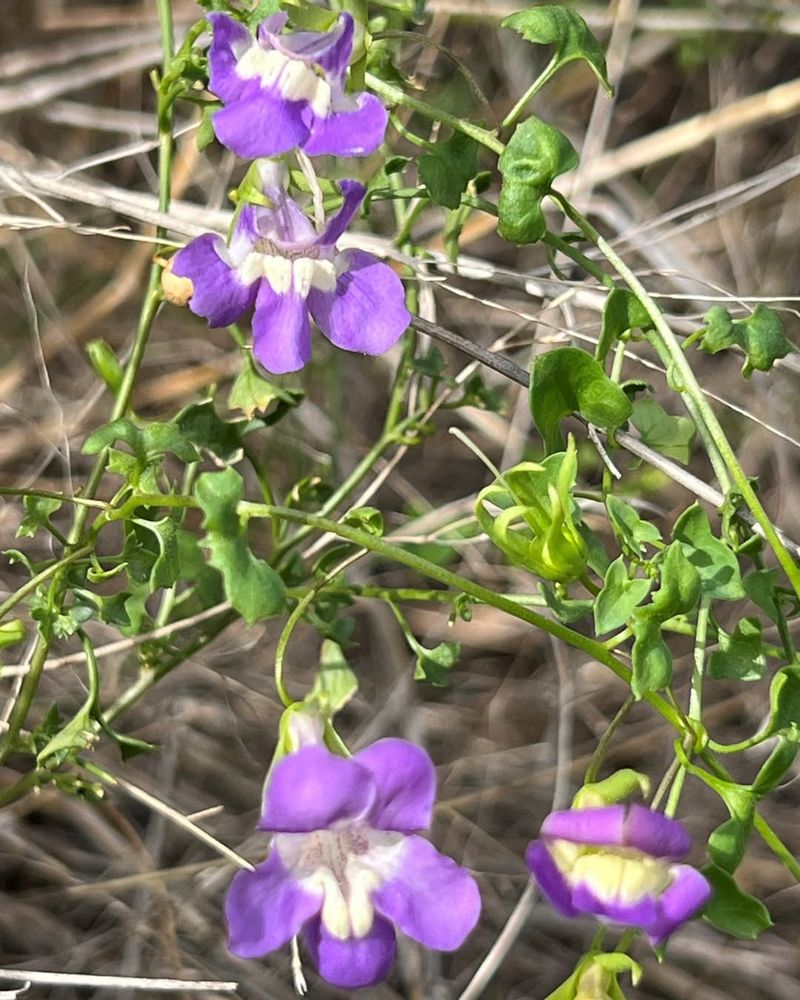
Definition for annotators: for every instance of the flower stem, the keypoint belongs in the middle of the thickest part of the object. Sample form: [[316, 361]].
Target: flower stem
[[394, 95]]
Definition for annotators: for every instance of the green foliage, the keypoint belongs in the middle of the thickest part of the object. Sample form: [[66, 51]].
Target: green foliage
[[567, 380], [669, 436], [335, 684], [740, 655], [622, 313], [784, 701], [567, 31], [434, 665], [447, 168], [535, 155], [37, 515], [617, 787], [536, 526], [595, 977], [731, 909], [620, 595], [760, 335], [253, 588], [253, 394], [678, 593], [776, 765], [716, 564], [631, 531], [566, 610]]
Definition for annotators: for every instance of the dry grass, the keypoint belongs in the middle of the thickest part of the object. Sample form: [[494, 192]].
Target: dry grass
[[694, 173]]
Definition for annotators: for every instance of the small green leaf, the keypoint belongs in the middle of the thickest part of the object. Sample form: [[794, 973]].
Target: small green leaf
[[622, 313], [200, 424], [619, 596], [715, 563], [118, 430], [567, 31], [669, 436], [567, 380], [632, 532], [759, 335], [727, 844], [566, 609], [254, 589], [79, 733], [535, 155], [433, 665], [37, 515], [784, 700], [368, 519], [335, 685], [776, 765], [166, 567], [678, 594], [760, 587], [732, 910], [252, 393], [740, 655], [651, 659], [447, 168], [205, 130]]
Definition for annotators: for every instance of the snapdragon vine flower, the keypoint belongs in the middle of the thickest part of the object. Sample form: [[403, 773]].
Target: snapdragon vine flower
[[346, 867], [283, 91], [278, 263], [618, 863]]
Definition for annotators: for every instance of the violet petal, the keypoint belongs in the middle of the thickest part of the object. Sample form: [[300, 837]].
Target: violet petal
[[347, 131], [620, 826], [353, 194], [431, 898], [367, 311], [355, 962], [230, 40], [405, 780], [265, 908], [261, 122], [281, 330], [688, 894], [549, 878], [312, 789], [218, 294]]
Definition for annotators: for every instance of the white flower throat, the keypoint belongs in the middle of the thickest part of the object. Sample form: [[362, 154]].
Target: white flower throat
[[617, 874], [295, 79], [344, 865], [296, 271]]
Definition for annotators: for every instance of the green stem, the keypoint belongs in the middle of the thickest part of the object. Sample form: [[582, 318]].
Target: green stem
[[454, 581], [602, 746], [708, 426], [394, 95], [35, 581], [696, 696], [530, 93]]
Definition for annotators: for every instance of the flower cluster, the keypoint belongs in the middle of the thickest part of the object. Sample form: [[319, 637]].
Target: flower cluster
[[618, 863], [282, 92], [277, 262], [347, 867]]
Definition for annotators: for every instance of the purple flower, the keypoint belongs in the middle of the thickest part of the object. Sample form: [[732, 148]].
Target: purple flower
[[617, 864], [284, 91], [279, 263], [346, 867]]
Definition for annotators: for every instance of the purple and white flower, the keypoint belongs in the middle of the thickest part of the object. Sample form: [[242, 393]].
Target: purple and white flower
[[618, 863], [346, 867], [277, 262], [283, 91]]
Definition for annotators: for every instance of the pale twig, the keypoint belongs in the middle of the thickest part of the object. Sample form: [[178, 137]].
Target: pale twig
[[122, 645], [176, 817], [73, 50], [32, 91], [69, 979]]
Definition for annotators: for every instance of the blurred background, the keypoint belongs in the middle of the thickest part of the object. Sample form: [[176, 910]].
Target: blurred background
[[692, 170]]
